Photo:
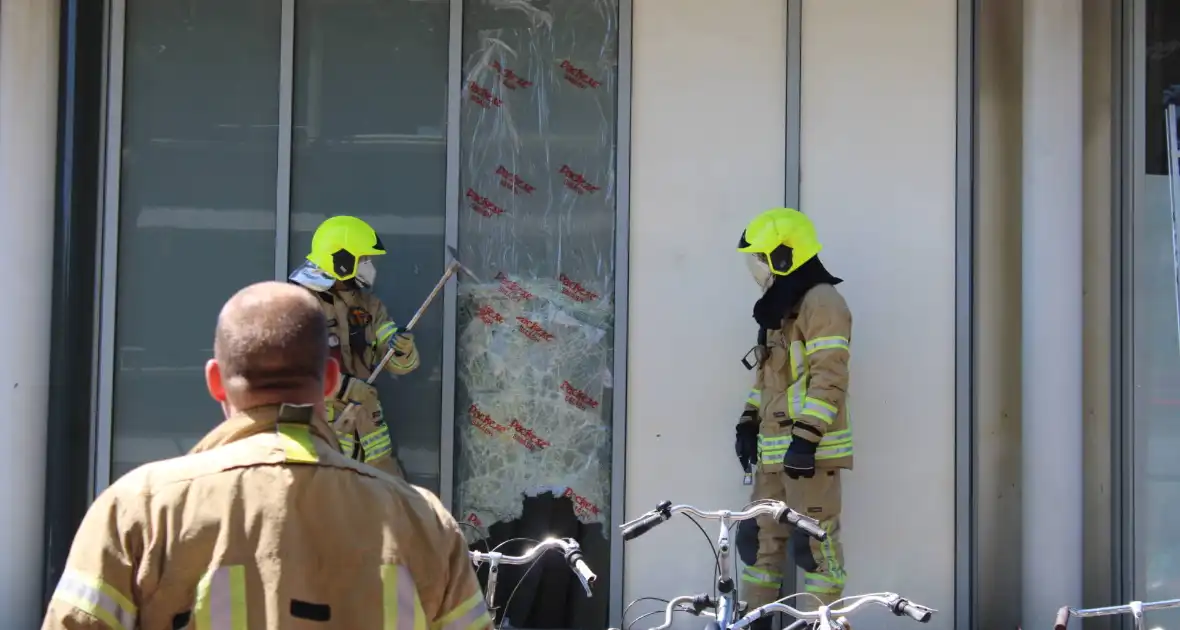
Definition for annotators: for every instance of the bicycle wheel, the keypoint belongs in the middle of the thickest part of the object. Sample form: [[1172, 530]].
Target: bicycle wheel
[[713, 625]]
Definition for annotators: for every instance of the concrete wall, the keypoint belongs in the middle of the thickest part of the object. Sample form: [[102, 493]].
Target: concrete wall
[[28, 133], [1098, 109], [878, 175], [707, 154], [997, 300], [877, 155]]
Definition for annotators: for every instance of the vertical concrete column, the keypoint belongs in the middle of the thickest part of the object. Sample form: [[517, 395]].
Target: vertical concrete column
[[28, 141], [1051, 320]]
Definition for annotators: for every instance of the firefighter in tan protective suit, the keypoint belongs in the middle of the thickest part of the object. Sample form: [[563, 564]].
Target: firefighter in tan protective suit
[[340, 272], [795, 425], [266, 524]]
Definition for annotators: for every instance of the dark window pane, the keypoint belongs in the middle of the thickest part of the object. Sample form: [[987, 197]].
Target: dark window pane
[[369, 141], [196, 208]]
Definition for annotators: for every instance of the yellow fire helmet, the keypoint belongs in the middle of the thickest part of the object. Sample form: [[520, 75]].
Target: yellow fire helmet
[[340, 243], [782, 239]]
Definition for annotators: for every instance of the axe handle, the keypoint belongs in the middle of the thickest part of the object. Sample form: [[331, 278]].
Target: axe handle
[[450, 271], [380, 367]]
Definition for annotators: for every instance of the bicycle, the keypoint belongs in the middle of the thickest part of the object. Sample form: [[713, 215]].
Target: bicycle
[[896, 604], [569, 548], [1135, 609], [726, 606]]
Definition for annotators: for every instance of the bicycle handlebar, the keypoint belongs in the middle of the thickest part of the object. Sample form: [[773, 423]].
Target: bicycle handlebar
[[896, 604], [1062, 620], [780, 511], [1135, 608], [569, 548]]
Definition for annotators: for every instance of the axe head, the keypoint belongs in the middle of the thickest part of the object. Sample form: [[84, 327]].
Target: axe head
[[455, 260]]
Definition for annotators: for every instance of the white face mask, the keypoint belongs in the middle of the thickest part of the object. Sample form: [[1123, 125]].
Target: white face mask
[[366, 272], [760, 269]]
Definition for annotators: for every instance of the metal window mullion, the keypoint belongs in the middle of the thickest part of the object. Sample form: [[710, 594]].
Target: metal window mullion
[[446, 460], [793, 144], [794, 102], [965, 131], [1134, 182], [109, 246], [283, 156], [622, 280]]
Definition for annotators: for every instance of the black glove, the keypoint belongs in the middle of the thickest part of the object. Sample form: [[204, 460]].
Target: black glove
[[800, 459], [746, 443]]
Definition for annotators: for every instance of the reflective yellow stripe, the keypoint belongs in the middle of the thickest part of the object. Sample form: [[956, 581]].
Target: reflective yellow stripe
[[96, 598], [816, 583], [755, 397], [296, 439], [472, 614], [385, 332], [836, 575], [221, 600], [820, 409], [403, 609], [833, 445], [796, 357], [754, 575], [408, 362], [377, 444], [379, 434], [826, 343], [796, 394], [347, 442]]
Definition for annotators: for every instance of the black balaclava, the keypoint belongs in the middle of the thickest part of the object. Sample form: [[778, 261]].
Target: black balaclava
[[783, 296]]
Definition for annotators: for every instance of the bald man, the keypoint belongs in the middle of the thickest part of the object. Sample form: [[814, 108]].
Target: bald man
[[266, 524]]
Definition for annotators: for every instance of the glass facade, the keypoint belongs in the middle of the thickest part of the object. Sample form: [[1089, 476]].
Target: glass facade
[[536, 333], [196, 213], [376, 149], [490, 125], [1155, 321]]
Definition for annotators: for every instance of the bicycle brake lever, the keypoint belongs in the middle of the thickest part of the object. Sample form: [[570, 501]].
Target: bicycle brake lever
[[580, 569]]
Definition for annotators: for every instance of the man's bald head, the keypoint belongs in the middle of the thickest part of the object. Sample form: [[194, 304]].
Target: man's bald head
[[271, 338]]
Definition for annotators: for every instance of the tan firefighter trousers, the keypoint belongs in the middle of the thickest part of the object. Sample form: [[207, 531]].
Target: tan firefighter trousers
[[822, 562]]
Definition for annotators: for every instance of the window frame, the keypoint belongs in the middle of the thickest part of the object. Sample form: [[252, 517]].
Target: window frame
[[101, 438]]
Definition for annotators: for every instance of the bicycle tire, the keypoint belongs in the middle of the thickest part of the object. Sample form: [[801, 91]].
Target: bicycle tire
[[713, 625]]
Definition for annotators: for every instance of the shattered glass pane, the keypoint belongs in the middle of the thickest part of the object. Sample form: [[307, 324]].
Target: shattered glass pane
[[537, 224]]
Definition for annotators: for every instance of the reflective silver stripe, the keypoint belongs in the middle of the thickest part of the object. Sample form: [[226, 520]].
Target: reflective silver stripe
[[827, 343], [761, 577], [377, 444], [221, 600], [819, 583], [470, 615], [347, 443], [375, 437], [833, 445], [755, 397], [795, 395], [385, 331], [403, 609], [817, 408], [797, 352], [97, 599]]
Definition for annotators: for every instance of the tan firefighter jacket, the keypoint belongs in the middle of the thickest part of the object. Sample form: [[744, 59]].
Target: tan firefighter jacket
[[267, 526], [359, 332], [803, 379]]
